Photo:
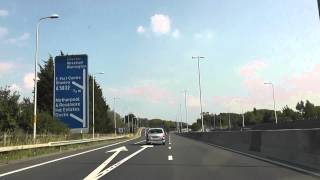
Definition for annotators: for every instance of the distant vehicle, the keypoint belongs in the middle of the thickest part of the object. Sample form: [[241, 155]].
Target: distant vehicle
[[156, 136]]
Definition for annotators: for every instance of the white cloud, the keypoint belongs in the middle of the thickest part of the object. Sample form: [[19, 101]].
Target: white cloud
[[160, 24], [28, 81], [176, 33], [5, 67], [15, 87], [19, 40], [3, 13], [203, 35], [141, 30], [3, 32]]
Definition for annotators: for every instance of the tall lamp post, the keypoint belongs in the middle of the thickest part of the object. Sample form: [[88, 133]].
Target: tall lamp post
[[53, 16], [274, 101], [199, 78], [114, 115], [186, 108], [93, 80]]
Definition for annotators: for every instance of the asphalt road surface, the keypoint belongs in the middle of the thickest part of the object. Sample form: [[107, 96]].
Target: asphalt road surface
[[182, 159]]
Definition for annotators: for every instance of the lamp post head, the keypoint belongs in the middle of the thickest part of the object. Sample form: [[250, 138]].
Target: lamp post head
[[198, 57], [98, 73], [54, 16]]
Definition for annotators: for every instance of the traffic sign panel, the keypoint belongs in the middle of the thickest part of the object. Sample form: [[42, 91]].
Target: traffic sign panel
[[70, 102]]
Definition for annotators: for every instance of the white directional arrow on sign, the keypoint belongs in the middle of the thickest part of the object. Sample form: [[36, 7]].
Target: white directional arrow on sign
[[94, 174]]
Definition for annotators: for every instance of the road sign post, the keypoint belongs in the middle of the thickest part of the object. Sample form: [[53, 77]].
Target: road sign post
[[70, 99]]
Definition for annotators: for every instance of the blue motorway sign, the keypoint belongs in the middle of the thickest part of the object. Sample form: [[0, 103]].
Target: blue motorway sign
[[71, 91]]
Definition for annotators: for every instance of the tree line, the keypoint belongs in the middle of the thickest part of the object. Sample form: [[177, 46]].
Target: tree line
[[16, 115], [304, 110]]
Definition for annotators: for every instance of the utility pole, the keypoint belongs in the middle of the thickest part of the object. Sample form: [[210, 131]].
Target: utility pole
[[274, 101], [229, 121], [114, 115], [214, 121], [199, 78], [186, 108], [243, 119], [180, 119], [53, 16]]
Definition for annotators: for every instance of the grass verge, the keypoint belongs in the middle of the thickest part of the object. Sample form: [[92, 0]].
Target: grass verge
[[11, 156]]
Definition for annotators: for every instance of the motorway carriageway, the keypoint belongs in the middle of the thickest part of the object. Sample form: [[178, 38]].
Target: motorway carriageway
[[179, 159]]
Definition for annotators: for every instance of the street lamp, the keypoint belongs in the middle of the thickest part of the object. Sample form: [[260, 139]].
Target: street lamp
[[93, 80], [114, 116], [274, 101], [198, 58], [186, 108], [53, 16]]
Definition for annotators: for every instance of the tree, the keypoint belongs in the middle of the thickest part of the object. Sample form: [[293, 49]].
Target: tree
[[195, 126], [9, 109], [309, 110], [26, 114], [288, 114], [300, 107], [48, 125], [45, 87], [267, 117], [254, 111], [103, 122]]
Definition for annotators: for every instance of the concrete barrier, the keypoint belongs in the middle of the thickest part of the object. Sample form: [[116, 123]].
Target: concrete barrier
[[295, 147]]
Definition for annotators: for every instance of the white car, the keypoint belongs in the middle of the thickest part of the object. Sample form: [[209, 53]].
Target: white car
[[156, 136]]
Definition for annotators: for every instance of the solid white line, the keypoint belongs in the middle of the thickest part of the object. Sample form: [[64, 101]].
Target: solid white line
[[268, 160], [109, 169], [140, 142], [170, 158], [62, 158], [169, 147]]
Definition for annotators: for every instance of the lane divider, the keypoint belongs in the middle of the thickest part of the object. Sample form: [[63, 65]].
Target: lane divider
[[169, 147], [170, 158]]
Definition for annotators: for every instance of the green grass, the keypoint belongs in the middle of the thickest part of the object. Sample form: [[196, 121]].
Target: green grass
[[7, 157], [15, 140]]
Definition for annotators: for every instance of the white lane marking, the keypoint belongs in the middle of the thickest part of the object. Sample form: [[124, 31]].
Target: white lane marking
[[169, 147], [169, 140], [95, 172], [106, 171], [170, 158], [62, 158], [140, 142]]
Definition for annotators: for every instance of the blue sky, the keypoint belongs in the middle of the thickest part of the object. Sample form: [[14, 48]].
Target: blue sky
[[145, 48]]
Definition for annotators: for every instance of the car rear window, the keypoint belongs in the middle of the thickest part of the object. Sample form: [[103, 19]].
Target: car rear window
[[154, 131]]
